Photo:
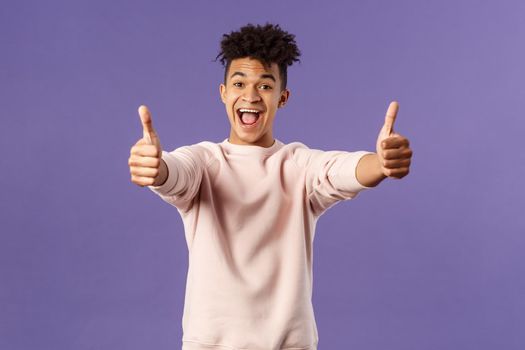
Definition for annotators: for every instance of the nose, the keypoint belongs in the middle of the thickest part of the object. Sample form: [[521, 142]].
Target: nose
[[251, 95]]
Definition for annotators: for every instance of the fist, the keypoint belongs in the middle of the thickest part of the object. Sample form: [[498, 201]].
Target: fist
[[393, 149], [146, 155]]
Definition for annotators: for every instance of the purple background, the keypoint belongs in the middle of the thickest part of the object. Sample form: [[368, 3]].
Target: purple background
[[89, 260]]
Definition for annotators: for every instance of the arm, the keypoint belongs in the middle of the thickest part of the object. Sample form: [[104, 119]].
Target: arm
[[329, 176], [184, 171], [368, 171]]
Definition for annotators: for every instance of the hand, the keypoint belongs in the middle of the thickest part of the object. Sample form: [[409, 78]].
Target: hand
[[393, 149], [146, 155]]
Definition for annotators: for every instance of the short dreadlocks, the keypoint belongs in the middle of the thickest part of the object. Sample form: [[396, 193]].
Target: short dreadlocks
[[268, 44]]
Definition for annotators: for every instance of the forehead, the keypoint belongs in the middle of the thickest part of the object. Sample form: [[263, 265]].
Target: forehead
[[252, 67]]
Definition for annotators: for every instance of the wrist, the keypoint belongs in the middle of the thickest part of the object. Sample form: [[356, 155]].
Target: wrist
[[379, 168], [368, 170]]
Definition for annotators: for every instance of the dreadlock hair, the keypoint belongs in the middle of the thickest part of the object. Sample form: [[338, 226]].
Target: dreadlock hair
[[268, 44]]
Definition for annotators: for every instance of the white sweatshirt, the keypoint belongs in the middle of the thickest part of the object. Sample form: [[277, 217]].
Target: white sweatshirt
[[249, 215]]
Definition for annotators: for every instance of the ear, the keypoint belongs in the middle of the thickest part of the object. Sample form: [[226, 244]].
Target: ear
[[284, 97], [222, 92]]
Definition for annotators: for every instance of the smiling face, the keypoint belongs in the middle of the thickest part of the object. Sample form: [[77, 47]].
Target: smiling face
[[252, 86]]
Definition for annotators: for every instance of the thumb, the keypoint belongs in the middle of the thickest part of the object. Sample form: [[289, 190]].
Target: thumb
[[390, 117], [147, 124]]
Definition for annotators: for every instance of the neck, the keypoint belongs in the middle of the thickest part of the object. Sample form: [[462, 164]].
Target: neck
[[265, 141]]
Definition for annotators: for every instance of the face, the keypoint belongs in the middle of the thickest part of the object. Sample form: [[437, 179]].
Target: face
[[250, 85]]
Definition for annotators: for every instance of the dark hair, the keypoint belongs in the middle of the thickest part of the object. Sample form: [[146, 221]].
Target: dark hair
[[268, 44]]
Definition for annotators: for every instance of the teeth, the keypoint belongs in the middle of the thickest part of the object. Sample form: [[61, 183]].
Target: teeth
[[243, 110]]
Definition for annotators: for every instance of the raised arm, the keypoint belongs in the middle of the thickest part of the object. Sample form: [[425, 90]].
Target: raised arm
[[174, 176]]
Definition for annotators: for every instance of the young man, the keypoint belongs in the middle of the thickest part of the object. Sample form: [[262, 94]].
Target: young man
[[250, 203]]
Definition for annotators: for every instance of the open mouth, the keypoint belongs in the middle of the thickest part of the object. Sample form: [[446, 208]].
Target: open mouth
[[249, 117]]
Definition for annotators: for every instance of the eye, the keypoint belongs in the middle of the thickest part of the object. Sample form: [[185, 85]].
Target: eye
[[268, 87], [235, 84]]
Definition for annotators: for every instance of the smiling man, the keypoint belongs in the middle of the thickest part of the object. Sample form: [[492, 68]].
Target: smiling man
[[250, 203], [252, 95]]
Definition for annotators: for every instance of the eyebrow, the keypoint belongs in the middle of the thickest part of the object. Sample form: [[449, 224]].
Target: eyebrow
[[270, 76]]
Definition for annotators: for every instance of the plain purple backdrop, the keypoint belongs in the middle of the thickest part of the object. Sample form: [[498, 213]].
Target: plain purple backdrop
[[89, 260]]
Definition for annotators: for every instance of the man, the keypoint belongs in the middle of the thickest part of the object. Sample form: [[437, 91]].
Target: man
[[250, 203]]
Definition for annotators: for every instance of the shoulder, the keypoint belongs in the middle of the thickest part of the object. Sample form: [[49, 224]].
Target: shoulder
[[204, 151], [301, 153]]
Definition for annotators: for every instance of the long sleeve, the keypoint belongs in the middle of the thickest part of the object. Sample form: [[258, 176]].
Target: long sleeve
[[330, 176], [185, 168]]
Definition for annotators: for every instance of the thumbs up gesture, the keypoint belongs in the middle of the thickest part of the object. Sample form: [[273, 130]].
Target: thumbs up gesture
[[393, 149], [145, 162]]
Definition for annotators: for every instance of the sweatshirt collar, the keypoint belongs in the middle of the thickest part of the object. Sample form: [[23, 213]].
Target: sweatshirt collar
[[233, 148]]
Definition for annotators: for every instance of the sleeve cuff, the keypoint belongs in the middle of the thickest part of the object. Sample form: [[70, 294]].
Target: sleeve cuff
[[345, 176]]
